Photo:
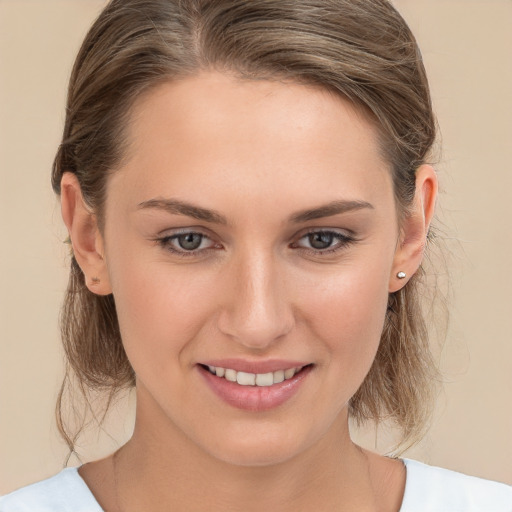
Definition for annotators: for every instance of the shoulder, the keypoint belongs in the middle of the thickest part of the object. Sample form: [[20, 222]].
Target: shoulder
[[64, 492], [433, 489]]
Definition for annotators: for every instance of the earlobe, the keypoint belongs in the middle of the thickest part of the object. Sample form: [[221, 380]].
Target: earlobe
[[85, 236], [414, 230]]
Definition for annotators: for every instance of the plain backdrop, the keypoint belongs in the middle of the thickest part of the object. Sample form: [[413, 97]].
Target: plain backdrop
[[467, 47]]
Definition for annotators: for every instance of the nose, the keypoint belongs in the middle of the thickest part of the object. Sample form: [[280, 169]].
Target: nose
[[256, 311]]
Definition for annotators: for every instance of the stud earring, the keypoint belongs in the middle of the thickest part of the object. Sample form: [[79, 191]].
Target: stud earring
[[401, 275]]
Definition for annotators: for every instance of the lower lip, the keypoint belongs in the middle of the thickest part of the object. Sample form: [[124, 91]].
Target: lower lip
[[254, 398]]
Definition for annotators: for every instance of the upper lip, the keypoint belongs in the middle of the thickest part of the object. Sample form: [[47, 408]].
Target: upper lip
[[243, 365]]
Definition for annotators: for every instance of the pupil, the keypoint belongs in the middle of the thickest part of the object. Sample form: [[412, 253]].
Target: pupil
[[320, 240], [190, 241]]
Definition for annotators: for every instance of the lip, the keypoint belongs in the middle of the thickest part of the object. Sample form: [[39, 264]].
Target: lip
[[254, 398], [243, 365]]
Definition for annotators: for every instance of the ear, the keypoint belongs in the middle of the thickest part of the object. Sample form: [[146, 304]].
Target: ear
[[86, 239], [414, 230]]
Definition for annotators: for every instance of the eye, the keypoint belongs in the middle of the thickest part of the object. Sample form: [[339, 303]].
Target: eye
[[188, 243], [321, 242]]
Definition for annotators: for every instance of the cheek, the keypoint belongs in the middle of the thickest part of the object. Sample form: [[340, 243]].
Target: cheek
[[160, 311], [347, 312]]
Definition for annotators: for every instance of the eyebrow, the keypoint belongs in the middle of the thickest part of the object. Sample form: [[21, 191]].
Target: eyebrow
[[329, 209], [177, 207]]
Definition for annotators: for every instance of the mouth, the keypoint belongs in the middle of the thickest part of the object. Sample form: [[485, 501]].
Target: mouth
[[254, 379], [254, 391]]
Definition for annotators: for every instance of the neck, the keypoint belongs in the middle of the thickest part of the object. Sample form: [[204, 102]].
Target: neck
[[177, 474]]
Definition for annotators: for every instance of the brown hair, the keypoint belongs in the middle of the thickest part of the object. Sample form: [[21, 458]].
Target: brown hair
[[361, 49]]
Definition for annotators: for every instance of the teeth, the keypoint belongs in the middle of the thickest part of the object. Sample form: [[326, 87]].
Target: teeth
[[230, 375], [264, 379], [254, 379], [245, 379], [288, 374], [279, 376]]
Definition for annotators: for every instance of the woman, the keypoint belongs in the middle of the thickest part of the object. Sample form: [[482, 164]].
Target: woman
[[248, 196]]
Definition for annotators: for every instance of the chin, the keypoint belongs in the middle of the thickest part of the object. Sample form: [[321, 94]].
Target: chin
[[255, 455], [261, 445]]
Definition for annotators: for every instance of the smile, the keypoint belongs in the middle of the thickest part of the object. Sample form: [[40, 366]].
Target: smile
[[254, 379], [256, 392]]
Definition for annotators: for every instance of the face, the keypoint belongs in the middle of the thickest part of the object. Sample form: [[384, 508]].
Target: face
[[251, 231]]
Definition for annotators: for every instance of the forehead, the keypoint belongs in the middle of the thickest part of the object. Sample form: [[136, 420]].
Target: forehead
[[254, 137], [275, 108]]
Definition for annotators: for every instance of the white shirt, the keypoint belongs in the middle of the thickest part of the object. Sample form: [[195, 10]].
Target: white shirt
[[427, 489]]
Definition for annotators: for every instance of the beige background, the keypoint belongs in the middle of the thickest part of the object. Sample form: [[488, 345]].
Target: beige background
[[467, 46]]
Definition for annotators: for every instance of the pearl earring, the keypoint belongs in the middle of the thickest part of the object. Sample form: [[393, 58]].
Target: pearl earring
[[401, 275]]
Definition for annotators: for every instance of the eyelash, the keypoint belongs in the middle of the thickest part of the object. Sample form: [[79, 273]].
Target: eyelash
[[343, 242]]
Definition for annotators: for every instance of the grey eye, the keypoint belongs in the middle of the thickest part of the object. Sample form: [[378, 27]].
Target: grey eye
[[320, 240], [190, 241]]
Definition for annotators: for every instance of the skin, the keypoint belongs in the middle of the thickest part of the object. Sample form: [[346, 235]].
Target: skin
[[256, 153]]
